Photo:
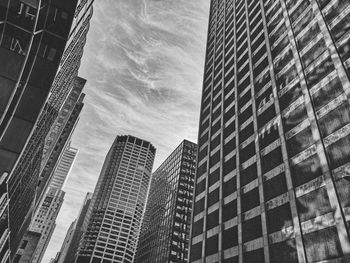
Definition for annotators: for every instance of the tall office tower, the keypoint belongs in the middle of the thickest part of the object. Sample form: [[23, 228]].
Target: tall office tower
[[43, 224], [273, 163], [33, 36], [28, 167], [63, 28], [62, 118], [20, 219], [64, 167], [70, 244], [59, 136], [44, 219], [165, 230], [118, 203]]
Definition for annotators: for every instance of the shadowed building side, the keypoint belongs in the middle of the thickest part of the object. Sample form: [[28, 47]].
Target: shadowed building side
[[166, 225], [33, 35]]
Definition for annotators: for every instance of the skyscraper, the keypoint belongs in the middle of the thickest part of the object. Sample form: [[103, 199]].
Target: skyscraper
[[20, 219], [118, 203], [69, 249], [272, 182], [43, 222], [33, 35], [59, 136], [65, 164], [165, 228]]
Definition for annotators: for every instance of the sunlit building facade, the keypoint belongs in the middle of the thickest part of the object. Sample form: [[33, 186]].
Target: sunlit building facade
[[44, 221], [165, 228], [118, 203], [64, 167], [272, 182]]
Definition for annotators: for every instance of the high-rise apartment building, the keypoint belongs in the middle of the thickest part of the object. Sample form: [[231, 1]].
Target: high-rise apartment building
[[33, 35], [118, 203], [166, 224], [272, 182], [69, 249]]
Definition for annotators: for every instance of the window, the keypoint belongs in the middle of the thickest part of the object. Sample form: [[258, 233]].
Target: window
[[213, 197], [322, 245], [300, 142], [284, 252], [279, 218], [230, 237], [197, 228], [212, 244], [275, 187], [339, 152], [229, 210], [271, 160], [313, 204], [212, 219], [250, 200], [249, 174], [254, 256], [335, 119], [251, 229]]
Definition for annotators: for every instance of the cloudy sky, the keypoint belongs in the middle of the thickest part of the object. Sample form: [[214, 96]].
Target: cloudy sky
[[144, 63]]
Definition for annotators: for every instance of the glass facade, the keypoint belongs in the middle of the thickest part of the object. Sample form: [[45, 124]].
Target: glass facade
[[272, 182], [118, 203], [33, 35], [25, 176], [166, 225]]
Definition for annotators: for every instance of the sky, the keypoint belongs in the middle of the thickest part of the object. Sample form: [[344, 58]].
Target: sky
[[143, 62]]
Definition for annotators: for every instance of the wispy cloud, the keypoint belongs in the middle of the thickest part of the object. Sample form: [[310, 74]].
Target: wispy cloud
[[144, 63]]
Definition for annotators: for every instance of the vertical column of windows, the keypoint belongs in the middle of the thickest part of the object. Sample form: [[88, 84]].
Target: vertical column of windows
[[333, 17], [198, 233], [242, 121], [212, 212], [278, 188], [313, 63], [251, 212], [229, 230]]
